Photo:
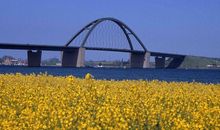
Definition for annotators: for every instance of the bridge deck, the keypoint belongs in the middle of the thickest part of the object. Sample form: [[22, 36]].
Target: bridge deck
[[57, 48], [34, 47], [63, 48], [165, 54]]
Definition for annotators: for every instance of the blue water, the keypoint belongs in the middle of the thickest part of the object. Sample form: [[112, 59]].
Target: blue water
[[189, 75]]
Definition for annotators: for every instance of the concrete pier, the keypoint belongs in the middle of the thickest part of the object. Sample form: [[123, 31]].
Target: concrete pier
[[73, 58], [140, 60], [176, 62], [34, 58], [159, 62]]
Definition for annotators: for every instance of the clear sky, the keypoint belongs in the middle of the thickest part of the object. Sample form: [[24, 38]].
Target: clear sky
[[189, 27]]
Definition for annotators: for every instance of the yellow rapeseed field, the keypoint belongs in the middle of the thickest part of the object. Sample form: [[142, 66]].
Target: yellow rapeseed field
[[52, 102]]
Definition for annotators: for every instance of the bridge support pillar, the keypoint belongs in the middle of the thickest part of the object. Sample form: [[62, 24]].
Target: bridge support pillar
[[159, 62], [140, 60], [73, 58], [34, 58], [176, 62]]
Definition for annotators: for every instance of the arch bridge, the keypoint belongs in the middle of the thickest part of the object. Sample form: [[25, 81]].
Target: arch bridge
[[110, 34], [105, 34]]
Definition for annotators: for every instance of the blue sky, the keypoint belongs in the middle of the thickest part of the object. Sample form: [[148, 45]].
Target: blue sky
[[189, 27]]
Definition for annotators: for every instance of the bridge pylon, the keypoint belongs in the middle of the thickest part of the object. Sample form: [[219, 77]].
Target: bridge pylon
[[159, 62], [34, 58], [73, 58], [140, 60]]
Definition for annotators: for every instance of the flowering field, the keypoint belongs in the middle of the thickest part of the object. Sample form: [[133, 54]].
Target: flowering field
[[47, 102]]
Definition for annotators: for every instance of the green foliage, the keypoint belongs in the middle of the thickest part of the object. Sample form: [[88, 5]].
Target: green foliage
[[50, 62], [199, 62]]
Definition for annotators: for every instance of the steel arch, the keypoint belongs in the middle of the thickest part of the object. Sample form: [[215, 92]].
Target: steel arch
[[92, 25]]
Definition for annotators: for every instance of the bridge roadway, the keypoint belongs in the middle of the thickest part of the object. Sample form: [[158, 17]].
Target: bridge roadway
[[17, 46]]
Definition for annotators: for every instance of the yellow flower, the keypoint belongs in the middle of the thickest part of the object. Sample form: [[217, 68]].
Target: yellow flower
[[49, 102], [89, 76]]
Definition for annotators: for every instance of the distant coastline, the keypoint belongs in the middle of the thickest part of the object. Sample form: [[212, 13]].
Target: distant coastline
[[190, 62]]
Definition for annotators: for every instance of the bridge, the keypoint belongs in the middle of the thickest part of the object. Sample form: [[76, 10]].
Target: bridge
[[105, 34]]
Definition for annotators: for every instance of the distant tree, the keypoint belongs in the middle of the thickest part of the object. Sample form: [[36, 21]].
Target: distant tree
[[7, 57], [51, 61]]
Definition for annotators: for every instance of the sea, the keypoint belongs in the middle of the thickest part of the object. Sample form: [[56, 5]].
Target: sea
[[170, 75]]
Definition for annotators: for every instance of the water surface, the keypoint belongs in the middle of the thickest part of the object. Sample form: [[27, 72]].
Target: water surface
[[188, 75]]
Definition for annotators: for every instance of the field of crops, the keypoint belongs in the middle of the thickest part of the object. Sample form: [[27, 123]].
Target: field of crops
[[48, 102]]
